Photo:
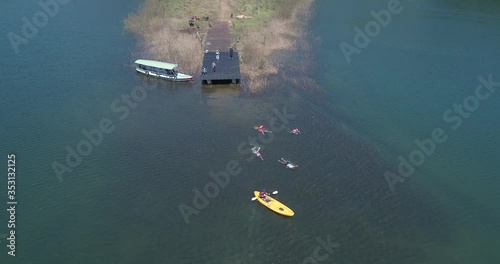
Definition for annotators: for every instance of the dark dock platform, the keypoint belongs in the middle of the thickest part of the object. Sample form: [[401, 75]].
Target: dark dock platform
[[226, 70]]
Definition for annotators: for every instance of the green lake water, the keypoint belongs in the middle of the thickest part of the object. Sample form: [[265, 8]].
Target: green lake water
[[120, 203]]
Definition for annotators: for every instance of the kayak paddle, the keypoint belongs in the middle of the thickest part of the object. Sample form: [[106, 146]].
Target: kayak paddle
[[255, 198]]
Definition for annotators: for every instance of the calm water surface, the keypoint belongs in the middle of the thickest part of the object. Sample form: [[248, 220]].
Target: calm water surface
[[120, 204]]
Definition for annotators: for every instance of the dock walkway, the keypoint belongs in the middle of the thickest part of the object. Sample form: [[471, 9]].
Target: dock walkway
[[219, 38]]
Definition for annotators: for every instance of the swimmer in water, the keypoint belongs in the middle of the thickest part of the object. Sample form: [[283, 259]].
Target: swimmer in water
[[255, 150], [295, 131], [288, 164], [262, 130]]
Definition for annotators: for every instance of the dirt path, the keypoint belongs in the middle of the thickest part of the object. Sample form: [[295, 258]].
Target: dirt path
[[225, 10], [219, 36]]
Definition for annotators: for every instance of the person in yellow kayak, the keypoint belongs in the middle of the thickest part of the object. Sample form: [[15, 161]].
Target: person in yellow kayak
[[262, 194]]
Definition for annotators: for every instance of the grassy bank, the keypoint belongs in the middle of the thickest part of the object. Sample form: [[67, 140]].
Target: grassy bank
[[276, 25], [163, 30]]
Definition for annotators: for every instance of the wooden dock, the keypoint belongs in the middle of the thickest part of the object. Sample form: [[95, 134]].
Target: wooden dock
[[227, 70]]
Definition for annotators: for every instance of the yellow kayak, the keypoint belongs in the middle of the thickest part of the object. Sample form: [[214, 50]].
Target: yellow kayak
[[274, 205]]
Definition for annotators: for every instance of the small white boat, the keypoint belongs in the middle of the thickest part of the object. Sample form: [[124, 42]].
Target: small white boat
[[162, 70]]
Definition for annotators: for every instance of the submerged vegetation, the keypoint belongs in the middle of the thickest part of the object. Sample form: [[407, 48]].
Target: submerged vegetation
[[165, 34]]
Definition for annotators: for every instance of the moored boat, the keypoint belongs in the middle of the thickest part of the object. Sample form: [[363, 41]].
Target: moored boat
[[162, 70]]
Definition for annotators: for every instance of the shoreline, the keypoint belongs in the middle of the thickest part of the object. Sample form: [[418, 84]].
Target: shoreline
[[162, 34]]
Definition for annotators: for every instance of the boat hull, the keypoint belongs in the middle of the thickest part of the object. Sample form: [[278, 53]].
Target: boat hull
[[179, 78]]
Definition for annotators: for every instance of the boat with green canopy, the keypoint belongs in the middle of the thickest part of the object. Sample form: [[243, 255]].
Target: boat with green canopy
[[162, 70]]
